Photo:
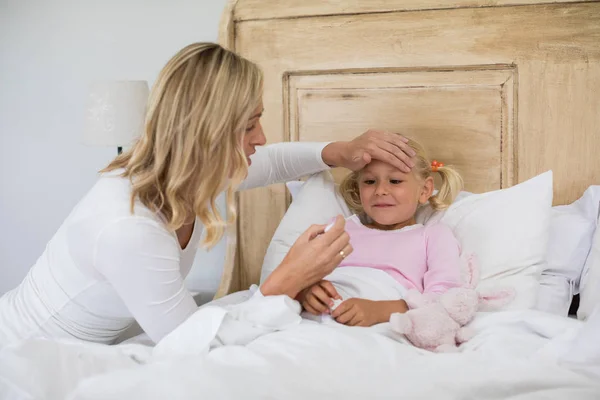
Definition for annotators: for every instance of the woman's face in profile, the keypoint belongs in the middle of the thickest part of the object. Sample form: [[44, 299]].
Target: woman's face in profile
[[254, 135]]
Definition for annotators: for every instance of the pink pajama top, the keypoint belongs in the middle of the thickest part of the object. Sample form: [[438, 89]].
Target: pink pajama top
[[426, 258]]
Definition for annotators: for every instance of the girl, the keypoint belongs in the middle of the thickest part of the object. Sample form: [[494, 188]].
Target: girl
[[392, 252]]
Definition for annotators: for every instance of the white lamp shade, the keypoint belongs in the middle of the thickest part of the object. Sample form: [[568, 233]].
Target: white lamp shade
[[115, 113]]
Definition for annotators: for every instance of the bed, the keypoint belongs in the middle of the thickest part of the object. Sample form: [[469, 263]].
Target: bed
[[504, 90]]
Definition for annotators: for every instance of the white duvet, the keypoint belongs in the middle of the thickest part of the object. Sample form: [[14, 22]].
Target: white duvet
[[263, 349]]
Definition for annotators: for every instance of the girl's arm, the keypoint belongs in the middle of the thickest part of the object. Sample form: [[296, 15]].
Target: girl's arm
[[387, 308], [443, 260], [362, 312]]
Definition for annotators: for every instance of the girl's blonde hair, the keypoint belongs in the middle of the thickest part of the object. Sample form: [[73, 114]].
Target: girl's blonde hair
[[452, 182], [191, 148]]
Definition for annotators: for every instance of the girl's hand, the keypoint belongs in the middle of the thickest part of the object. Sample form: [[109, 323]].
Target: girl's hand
[[371, 145], [318, 298], [361, 312], [314, 256]]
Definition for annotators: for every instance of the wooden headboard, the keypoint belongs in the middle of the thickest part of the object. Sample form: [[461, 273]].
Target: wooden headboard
[[503, 90]]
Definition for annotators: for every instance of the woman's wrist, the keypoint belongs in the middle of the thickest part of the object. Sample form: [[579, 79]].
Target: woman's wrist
[[278, 284], [333, 153]]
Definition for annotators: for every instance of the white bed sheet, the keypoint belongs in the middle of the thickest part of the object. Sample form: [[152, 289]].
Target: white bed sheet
[[261, 348]]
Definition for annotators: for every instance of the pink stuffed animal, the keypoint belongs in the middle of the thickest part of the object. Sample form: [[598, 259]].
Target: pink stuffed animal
[[437, 322]]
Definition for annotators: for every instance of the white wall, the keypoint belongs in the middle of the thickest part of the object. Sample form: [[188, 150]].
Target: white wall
[[49, 51]]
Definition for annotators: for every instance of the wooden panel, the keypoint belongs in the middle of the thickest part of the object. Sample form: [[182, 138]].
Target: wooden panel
[[441, 109], [269, 9], [552, 49], [559, 124], [557, 33], [227, 26]]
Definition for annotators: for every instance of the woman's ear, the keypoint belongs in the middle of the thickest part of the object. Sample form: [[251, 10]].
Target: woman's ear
[[426, 190]]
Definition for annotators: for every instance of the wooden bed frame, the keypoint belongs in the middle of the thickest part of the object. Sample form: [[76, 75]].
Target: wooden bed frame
[[503, 89]]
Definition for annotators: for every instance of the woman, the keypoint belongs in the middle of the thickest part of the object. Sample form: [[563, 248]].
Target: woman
[[123, 252]]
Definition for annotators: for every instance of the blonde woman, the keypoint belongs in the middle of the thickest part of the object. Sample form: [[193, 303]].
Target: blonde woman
[[392, 252], [124, 251]]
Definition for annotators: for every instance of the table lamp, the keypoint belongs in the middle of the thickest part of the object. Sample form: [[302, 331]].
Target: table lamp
[[115, 113]]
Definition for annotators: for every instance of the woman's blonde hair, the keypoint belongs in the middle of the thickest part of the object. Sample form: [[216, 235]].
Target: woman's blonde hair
[[191, 148], [452, 182]]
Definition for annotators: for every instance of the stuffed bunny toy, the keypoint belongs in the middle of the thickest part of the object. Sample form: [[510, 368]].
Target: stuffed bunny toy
[[436, 322]]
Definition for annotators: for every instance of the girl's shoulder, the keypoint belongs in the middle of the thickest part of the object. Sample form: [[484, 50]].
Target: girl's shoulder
[[438, 229], [440, 234]]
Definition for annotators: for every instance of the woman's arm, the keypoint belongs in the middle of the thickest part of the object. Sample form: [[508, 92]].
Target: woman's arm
[[284, 162], [288, 161], [141, 261]]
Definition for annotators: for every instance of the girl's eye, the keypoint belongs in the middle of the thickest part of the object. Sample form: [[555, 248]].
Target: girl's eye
[[395, 181], [250, 128], [369, 182]]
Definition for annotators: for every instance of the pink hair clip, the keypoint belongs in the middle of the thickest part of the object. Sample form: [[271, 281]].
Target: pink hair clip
[[435, 165]]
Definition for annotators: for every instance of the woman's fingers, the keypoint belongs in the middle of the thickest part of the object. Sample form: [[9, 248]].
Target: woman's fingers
[[399, 141], [338, 250], [333, 246], [334, 232], [389, 147], [325, 238], [399, 150], [346, 251], [312, 232], [385, 152]]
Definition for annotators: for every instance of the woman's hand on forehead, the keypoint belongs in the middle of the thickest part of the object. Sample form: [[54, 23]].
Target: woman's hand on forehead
[[384, 146]]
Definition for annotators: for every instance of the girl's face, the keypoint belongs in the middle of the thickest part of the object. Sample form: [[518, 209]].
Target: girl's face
[[391, 197]]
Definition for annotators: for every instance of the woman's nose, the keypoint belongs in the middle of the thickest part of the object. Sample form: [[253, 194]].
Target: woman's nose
[[260, 139]]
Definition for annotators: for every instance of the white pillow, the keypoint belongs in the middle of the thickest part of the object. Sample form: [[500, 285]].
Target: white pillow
[[589, 299], [507, 229]]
